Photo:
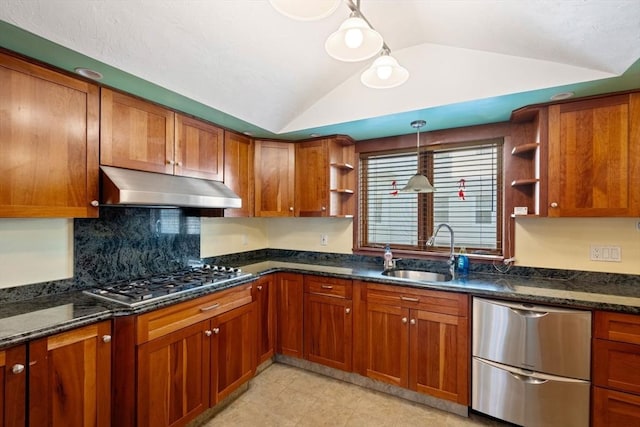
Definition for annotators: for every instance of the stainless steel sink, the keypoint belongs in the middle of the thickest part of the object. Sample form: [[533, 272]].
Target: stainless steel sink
[[417, 275]]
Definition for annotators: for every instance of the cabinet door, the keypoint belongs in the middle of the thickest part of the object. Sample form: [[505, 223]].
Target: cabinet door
[[616, 365], [289, 306], [612, 408], [199, 149], [13, 386], [274, 178], [594, 163], [312, 178], [439, 355], [135, 134], [387, 344], [266, 319], [70, 378], [238, 172], [48, 143], [328, 330], [173, 377], [233, 350]]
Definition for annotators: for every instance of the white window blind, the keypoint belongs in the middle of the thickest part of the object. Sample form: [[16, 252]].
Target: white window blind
[[468, 198]]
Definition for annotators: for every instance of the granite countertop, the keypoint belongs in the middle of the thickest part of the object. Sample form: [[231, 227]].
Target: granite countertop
[[42, 316]]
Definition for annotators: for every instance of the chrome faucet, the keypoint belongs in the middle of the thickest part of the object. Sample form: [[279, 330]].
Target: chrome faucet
[[452, 259]]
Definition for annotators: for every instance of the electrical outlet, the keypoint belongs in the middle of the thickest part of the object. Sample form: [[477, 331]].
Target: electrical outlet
[[324, 240], [605, 253], [245, 240]]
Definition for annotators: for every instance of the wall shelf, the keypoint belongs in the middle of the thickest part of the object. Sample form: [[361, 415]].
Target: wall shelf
[[341, 190], [345, 166], [521, 182], [525, 148]]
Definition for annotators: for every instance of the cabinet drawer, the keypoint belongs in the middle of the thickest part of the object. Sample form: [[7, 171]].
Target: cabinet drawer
[[616, 365], [422, 299], [161, 322], [617, 327], [328, 286]]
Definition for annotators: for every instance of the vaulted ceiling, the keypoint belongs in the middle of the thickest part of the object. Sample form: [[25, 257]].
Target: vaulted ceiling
[[245, 66]]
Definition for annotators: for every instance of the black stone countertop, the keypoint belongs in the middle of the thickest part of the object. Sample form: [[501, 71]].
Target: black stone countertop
[[42, 316]]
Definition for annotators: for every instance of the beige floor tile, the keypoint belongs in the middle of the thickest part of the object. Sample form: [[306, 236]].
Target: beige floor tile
[[284, 396]]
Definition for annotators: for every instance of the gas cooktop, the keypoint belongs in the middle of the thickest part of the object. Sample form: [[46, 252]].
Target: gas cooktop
[[141, 291]]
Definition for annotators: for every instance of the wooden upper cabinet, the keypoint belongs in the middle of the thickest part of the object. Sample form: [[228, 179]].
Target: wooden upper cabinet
[[274, 178], [70, 378], [13, 386], [312, 178], [136, 134], [238, 172], [48, 142], [199, 151], [325, 177], [594, 157]]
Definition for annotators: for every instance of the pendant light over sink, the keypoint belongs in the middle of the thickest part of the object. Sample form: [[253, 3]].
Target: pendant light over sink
[[418, 183]]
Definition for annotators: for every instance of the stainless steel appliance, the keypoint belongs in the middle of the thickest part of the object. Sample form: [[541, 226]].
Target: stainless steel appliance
[[531, 363], [141, 291]]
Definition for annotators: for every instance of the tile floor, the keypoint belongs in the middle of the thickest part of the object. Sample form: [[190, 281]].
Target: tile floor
[[286, 396]]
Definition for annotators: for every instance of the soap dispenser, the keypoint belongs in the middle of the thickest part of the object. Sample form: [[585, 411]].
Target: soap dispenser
[[388, 258], [463, 264]]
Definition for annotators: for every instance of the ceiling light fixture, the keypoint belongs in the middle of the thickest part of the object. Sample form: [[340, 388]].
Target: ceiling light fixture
[[354, 41], [384, 73], [418, 183], [89, 73], [305, 10], [562, 95]]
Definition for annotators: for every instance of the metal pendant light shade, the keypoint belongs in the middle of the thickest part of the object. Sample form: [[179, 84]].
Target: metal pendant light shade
[[418, 183], [305, 10]]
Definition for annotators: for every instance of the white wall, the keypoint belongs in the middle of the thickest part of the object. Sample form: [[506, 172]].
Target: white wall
[[35, 250], [221, 236]]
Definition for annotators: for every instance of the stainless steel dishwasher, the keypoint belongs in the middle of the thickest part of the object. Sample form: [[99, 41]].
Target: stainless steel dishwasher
[[531, 363]]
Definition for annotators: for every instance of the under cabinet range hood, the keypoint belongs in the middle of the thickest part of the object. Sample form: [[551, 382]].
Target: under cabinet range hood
[[131, 187]]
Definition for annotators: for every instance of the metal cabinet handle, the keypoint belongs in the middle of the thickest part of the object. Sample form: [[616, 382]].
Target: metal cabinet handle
[[95, 203], [323, 209], [290, 208], [106, 338], [259, 287], [211, 307], [554, 205], [347, 310], [404, 320], [170, 162], [327, 287], [413, 321], [216, 331], [208, 333], [17, 368], [409, 299]]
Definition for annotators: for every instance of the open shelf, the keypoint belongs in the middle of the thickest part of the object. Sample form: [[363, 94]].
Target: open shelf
[[345, 166], [341, 190], [520, 182], [525, 148]]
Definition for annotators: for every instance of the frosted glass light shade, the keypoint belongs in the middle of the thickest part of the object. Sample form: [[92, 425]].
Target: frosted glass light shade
[[305, 10], [384, 73], [418, 184], [338, 44]]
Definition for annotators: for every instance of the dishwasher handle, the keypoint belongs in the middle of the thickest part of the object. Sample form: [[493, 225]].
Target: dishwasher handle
[[529, 313], [527, 379]]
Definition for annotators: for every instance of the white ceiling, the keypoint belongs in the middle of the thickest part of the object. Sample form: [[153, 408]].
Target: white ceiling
[[243, 58]]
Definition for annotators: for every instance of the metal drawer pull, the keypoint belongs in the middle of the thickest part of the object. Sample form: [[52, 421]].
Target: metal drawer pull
[[409, 299], [404, 320], [17, 368], [106, 338], [211, 307], [216, 331], [327, 287]]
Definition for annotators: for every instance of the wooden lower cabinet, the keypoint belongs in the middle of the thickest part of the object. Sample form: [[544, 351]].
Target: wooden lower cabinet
[[265, 295], [173, 377], [70, 378], [13, 386], [328, 322], [418, 339], [233, 350], [289, 314], [616, 369]]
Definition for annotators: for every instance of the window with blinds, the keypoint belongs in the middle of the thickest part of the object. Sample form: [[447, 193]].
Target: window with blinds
[[468, 197]]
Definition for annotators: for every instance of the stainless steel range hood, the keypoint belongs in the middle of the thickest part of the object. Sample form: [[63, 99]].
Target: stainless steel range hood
[[131, 187]]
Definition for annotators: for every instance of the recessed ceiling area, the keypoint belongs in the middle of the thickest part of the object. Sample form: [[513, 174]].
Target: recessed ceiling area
[[245, 66]]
